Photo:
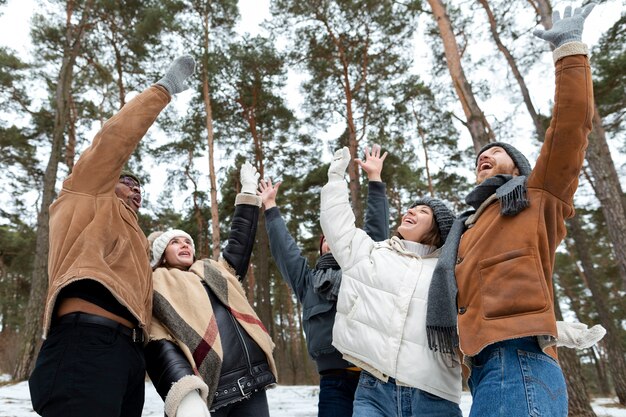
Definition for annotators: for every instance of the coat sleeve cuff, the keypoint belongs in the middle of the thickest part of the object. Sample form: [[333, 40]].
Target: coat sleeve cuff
[[570, 48], [181, 388], [272, 213], [251, 199]]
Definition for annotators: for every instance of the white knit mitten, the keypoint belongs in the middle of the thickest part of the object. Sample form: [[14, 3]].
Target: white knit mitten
[[192, 405], [578, 335], [339, 164], [249, 179]]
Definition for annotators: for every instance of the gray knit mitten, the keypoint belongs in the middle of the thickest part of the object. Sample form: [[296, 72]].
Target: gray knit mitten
[[180, 69], [568, 29]]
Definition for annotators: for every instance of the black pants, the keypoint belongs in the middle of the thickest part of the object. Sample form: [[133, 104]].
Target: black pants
[[88, 370]]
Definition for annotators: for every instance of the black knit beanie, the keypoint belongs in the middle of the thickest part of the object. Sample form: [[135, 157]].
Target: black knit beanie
[[443, 215], [518, 158]]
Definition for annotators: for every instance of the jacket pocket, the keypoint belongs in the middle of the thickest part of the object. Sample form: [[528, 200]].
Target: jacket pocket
[[120, 248], [512, 284], [318, 320]]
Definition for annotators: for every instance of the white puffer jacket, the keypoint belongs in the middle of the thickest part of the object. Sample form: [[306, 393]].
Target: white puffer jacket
[[380, 323]]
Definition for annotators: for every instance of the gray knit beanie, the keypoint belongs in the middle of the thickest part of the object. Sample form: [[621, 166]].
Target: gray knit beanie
[[518, 158], [443, 215], [160, 242]]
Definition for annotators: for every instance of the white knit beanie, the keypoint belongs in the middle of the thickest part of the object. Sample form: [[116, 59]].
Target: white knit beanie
[[160, 243]]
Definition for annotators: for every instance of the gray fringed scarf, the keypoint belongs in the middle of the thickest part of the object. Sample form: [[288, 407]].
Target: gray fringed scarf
[[327, 277], [441, 316]]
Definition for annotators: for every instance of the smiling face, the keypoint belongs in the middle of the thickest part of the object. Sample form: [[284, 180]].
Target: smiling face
[[494, 161], [129, 191], [179, 253], [416, 223]]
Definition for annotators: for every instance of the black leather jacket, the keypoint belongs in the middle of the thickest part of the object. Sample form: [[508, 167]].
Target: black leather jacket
[[245, 368]]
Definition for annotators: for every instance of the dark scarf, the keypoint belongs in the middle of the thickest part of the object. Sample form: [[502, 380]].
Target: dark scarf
[[327, 277], [441, 315]]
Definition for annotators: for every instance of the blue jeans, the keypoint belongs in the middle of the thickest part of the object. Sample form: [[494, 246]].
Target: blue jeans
[[514, 378], [375, 398], [337, 394]]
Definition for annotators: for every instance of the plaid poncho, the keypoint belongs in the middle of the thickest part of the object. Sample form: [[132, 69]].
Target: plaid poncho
[[182, 313]]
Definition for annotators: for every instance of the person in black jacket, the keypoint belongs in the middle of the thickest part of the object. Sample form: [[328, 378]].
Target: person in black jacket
[[317, 288], [208, 350]]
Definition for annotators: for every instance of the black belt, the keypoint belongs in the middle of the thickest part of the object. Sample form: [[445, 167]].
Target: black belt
[[351, 373], [243, 386], [135, 334]]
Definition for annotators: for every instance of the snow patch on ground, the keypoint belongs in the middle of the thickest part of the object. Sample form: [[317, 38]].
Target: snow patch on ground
[[284, 401]]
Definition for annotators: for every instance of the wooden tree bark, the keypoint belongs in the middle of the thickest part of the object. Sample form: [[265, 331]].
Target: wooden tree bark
[[202, 244], [539, 128], [602, 377], [609, 191], [578, 401], [30, 334], [206, 98], [476, 123], [543, 9], [263, 285], [614, 334], [349, 91]]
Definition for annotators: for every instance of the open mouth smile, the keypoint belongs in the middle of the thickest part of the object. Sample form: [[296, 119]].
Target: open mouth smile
[[484, 166]]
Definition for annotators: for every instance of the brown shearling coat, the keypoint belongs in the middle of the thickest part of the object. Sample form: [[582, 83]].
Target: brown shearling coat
[[93, 233], [504, 265]]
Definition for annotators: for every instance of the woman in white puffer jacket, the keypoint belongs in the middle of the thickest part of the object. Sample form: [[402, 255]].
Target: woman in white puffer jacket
[[381, 310]]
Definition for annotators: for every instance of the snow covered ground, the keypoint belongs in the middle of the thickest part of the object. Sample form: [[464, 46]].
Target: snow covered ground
[[284, 401]]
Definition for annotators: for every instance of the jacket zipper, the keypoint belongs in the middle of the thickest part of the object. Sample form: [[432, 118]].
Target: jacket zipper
[[243, 343]]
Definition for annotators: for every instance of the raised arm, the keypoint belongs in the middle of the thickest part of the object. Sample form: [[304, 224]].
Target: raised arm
[[98, 168], [293, 267], [243, 226], [348, 244], [377, 212], [563, 150]]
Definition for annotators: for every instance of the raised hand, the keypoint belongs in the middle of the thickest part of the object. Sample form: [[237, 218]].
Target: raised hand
[[568, 29], [338, 165], [249, 178], [176, 75], [268, 193], [373, 164]]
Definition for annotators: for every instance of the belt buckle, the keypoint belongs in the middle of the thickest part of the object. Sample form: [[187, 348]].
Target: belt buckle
[[241, 387]]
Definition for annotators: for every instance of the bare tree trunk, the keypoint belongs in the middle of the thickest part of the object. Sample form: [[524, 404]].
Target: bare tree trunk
[[30, 336], [353, 141], [263, 294], [251, 278], [476, 123], [543, 9], [614, 335], [608, 190], [70, 146], [202, 246], [539, 128], [206, 97], [422, 135], [578, 401], [598, 363]]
